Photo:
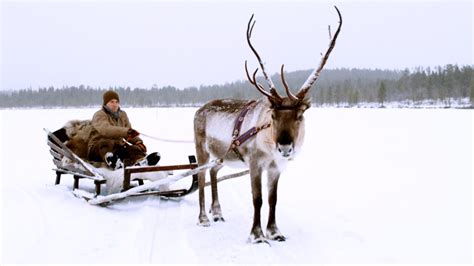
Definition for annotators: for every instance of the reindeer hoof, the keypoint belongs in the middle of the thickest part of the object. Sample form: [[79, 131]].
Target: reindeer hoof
[[219, 219], [204, 221], [279, 238], [204, 224], [257, 240], [274, 234], [261, 241], [216, 213]]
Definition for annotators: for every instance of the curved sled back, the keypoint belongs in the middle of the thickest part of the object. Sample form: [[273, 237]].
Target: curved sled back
[[67, 162]]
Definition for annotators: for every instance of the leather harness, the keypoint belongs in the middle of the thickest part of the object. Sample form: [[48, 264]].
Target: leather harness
[[239, 140]]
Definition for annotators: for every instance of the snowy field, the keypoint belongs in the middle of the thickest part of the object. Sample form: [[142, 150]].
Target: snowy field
[[370, 186]]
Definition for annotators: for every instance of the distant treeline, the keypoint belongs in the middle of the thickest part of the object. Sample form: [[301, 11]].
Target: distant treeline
[[334, 87]]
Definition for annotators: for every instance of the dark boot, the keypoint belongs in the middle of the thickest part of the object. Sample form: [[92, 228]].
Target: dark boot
[[151, 159]]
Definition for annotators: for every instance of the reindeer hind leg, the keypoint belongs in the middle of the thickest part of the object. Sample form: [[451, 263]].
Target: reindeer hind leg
[[202, 158], [215, 206]]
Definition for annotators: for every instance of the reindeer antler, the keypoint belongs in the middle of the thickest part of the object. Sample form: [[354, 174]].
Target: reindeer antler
[[287, 89], [316, 72], [254, 82], [273, 92]]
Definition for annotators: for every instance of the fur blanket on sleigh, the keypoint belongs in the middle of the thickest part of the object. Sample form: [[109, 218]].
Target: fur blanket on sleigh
[[75, 135]]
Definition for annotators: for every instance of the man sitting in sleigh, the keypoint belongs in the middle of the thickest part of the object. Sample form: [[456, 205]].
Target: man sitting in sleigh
[[108, 137]]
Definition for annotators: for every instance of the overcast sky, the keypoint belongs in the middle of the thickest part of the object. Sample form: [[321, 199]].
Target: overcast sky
[[191, 43]]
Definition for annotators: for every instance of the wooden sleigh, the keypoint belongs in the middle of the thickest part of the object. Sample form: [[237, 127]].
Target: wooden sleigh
[[80, 169]]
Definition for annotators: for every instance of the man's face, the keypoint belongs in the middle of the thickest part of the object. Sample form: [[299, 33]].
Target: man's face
[[113, 105]]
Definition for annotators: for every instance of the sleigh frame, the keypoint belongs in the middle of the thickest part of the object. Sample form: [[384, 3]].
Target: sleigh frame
[[80, 169]]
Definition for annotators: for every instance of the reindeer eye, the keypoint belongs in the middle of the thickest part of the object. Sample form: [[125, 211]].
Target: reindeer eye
[[300, 117], [273, 115]]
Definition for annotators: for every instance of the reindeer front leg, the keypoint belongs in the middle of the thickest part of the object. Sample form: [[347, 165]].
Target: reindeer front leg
[[256, 234], [272, 229]]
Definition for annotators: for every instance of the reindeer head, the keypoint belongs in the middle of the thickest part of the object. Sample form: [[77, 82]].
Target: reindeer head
[[287, 112]]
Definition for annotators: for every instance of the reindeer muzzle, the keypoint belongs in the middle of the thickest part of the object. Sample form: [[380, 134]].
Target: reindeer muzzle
[[286, 150]]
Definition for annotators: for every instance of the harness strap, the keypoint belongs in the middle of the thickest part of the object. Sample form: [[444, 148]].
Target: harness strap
[[239, 140], [249, 134], [240, 119]]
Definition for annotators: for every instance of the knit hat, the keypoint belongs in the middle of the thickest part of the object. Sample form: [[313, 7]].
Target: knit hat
[[110, 95]]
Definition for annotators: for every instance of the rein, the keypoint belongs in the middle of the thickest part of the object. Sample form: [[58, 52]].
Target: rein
[[167, 140], [237, 140]]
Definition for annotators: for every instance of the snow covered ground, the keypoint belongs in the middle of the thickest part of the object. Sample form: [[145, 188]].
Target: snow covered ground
[[370, 186]]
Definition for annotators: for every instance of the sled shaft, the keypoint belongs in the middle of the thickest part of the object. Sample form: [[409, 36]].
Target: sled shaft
[[152, 185], [141, 169], [128, 171]]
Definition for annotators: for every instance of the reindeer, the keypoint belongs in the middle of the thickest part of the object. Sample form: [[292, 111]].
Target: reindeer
[[280, 122]]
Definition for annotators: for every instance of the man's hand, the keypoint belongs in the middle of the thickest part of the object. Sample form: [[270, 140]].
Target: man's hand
[[141, 146], [132, 133]]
